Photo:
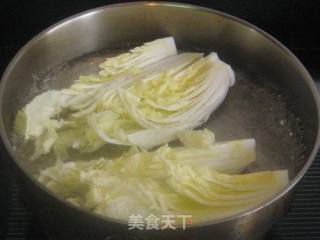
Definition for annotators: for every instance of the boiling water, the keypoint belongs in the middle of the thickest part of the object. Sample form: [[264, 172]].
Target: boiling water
[[254, 108]]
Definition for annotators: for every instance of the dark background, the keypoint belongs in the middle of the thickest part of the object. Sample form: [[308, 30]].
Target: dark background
[[294, 22]]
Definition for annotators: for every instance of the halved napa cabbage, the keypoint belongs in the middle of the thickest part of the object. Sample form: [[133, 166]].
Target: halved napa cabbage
[[142, 98], [164, 182]]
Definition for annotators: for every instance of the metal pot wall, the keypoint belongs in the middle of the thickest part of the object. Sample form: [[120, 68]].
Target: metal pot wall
[[260, 61]]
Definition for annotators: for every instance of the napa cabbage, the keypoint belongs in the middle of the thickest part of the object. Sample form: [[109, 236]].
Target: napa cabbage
[[145, 98], [165, 181]]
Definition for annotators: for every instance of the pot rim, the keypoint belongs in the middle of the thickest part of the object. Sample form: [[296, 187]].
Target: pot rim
[[299, 65]]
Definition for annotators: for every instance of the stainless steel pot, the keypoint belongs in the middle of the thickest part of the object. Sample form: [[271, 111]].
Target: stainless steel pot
[[274, 100]]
